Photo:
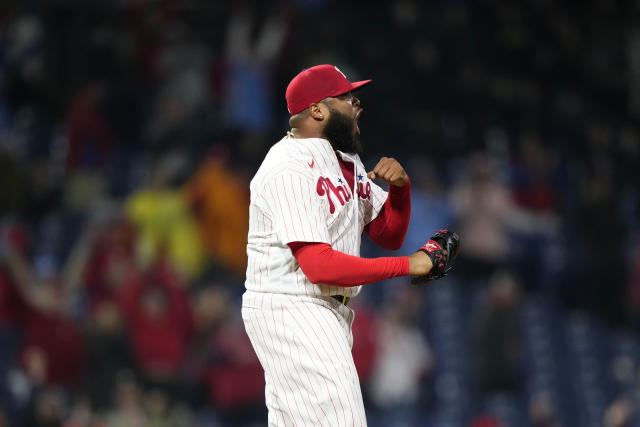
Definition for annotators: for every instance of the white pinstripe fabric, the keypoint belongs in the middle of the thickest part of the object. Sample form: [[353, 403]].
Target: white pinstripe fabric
[[286, 207], [304, 345], [301, 335]]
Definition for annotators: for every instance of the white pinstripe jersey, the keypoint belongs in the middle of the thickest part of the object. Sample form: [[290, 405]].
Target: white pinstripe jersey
[[300, 194]]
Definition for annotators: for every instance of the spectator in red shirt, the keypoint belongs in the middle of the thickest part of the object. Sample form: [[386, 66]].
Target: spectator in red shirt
[[158, 317], [110, 263], [45, 321]]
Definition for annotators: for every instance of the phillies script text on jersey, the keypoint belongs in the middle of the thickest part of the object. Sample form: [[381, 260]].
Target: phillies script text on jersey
[[300, 194], [342, 193]]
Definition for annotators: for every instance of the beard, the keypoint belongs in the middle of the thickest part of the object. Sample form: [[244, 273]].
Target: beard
[[340, 132]]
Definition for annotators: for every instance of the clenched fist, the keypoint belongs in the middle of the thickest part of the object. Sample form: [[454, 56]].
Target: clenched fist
[[390, 171]]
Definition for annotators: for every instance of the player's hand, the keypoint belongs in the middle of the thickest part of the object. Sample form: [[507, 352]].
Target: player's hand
[[441, 249], [390, 171]]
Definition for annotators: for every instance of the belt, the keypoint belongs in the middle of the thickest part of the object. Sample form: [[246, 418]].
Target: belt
[[341, 298]]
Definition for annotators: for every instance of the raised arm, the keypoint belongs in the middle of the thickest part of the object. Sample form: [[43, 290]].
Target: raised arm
[[22, 275], [389, 228]]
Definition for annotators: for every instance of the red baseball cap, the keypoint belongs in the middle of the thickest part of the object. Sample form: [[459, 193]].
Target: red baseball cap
[[315, 84]]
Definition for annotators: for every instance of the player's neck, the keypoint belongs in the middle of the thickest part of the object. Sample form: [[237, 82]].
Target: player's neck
[[304, 133]]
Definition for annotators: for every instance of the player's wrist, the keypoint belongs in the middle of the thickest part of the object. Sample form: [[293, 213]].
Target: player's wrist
[[400, 194], [419, 264], [401, 182]]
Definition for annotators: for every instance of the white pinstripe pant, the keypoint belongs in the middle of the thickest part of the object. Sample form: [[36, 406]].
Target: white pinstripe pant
[[304, 345]]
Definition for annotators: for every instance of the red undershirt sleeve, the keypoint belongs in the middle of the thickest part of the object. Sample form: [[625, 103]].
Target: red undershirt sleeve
[[324, 265], [389, 228]]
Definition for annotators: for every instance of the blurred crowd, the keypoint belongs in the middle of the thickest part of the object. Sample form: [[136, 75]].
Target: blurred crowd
[[129, 131]]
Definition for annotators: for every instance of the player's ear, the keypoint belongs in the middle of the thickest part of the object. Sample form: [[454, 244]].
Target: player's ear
[[317, 111]]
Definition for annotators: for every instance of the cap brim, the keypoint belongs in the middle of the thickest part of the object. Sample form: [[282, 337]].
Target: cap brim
[[356, 85]]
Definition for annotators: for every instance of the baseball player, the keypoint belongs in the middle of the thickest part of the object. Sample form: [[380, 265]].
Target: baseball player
[[311, 200]]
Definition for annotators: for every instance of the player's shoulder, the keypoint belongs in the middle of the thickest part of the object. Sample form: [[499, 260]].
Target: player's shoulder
[[286, 157]]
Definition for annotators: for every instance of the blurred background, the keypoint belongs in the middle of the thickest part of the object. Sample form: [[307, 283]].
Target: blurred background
[[129, 131]]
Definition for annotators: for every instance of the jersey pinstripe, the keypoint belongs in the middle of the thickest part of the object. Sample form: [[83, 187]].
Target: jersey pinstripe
[[302, 336], [300, 194], [304, 345]]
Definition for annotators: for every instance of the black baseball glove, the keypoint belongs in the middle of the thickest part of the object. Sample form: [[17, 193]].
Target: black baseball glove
[[442, 248]]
